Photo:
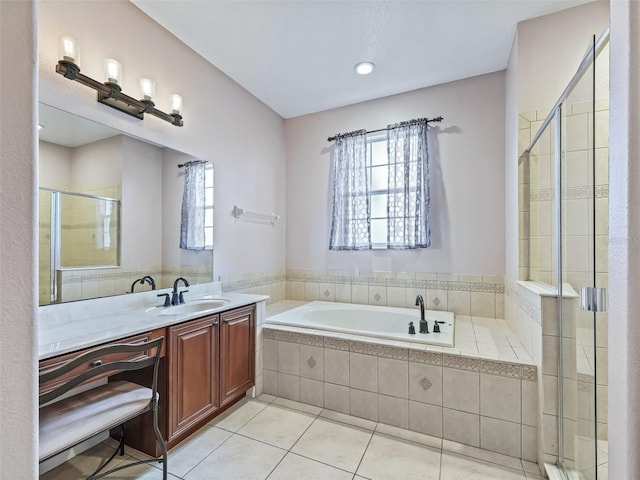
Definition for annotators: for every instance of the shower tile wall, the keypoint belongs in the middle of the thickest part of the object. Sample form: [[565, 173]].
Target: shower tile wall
[[536, 231]]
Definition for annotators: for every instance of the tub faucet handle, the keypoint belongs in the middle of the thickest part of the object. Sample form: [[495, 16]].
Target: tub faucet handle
[[412, 329]]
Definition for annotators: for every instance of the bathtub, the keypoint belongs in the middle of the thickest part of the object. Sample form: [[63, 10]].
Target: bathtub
[[371, 321]]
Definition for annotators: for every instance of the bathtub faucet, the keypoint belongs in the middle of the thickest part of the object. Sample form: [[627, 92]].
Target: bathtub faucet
[[424, 327]]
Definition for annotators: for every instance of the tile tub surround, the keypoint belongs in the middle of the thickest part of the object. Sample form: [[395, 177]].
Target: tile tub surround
[[471, 295], [478, 402], [278, 439]]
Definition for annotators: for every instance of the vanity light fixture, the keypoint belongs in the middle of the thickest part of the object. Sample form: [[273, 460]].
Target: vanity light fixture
[[364, 68], [110, 92]]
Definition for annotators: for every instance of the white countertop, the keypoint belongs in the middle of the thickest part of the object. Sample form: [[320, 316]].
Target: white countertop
[[73, 326]]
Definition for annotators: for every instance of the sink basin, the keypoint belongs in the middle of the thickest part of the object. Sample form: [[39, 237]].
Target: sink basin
[[194, 307]]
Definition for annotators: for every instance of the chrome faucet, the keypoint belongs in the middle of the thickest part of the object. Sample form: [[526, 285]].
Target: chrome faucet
[[424, 327], [176, 297]]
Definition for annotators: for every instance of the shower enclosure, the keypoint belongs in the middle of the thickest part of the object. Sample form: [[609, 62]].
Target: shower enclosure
[[77, 231], [564, 212]]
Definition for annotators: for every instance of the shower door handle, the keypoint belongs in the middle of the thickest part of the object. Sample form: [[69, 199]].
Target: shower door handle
[[593, 299]]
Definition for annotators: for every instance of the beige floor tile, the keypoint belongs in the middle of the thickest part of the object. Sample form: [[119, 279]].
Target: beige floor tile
[[333, 443], [348, 419], [265, 397], [410, 436], [390, 458], [456, 467], [234, 418], [195, 449], [239, 458], [277, 426], [482, 455], [84, 464], [295, 467], [303, 407]]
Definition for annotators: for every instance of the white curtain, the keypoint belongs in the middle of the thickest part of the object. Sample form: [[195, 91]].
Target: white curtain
[[408, 196], [350, 226], [192, 235]]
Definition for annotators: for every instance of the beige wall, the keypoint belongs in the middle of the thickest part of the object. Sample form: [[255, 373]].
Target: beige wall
[[467, 180], [222, 122], [624, 251], [18, 269]]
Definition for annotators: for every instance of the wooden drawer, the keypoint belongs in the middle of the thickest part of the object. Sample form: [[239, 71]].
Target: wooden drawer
[[57, 361]]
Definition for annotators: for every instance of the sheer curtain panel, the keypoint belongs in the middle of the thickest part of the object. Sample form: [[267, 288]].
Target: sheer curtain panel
[[350, 226], [192, 232], [408, 194]]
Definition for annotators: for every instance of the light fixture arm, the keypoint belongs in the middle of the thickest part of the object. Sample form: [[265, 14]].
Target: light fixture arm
[[111, 94]]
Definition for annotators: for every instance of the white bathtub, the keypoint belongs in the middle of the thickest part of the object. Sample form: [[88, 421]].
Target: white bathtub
[[371, 321]]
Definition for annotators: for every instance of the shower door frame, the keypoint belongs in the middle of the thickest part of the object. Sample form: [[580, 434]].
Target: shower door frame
[[588, 61]]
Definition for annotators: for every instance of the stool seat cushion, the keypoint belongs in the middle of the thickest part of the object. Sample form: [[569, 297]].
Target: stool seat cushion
[[65, 423]]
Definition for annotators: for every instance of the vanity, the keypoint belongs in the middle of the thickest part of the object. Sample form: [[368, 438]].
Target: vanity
[[207, 361]]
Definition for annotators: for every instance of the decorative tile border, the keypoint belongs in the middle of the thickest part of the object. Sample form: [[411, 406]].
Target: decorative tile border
[[230, 283], [396, 353], [573, 193], [530, 372], [430, 358], [395, 280], [336, 343], [363, 347], [501, 368], [529, 308], [460, 362]]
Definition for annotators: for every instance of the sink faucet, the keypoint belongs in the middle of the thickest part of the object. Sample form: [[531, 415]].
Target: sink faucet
[[149, 279], [176, 297], [424, 327], [146, 279]]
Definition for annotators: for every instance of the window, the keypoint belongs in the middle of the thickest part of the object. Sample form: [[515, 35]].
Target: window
[[381, 189], [208, 206], [378, 177]]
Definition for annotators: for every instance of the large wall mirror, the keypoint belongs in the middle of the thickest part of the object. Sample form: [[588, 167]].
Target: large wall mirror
[[110, 207]]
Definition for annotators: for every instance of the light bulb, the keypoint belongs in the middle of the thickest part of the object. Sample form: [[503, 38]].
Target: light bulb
[[148, 88], [364, 68], [69, 50], [113, 71], [176, 104]]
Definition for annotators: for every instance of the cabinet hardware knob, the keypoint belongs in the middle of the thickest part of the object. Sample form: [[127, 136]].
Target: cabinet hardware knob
[[226, 321], [96, 363], [215, 324]]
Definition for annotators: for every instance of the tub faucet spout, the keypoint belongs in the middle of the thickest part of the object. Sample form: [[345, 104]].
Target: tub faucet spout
[[424, 327]]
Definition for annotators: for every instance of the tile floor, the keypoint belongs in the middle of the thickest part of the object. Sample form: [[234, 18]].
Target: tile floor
[[277, 439]]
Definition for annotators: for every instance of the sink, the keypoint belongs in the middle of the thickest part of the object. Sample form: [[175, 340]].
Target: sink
[[194, 307]]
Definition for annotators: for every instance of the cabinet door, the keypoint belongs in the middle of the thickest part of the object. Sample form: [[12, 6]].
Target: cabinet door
[[193, 373], [237, 353]]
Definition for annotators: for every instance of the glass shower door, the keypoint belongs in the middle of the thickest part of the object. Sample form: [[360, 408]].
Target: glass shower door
[[583, 232]]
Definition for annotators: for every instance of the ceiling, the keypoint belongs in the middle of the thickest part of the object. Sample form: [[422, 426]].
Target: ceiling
[[297, 56]]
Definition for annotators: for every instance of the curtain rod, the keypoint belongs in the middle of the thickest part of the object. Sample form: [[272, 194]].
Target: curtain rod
[[418, 120], [180, 165]]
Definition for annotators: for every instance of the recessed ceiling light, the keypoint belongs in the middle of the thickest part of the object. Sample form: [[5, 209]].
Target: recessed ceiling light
[[364, 68]]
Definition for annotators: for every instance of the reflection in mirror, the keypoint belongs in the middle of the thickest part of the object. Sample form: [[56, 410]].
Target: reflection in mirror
[[110, 212]]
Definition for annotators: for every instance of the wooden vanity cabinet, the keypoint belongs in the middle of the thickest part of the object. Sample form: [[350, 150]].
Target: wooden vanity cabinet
[[237, 353], [193, 373], [211, 365]]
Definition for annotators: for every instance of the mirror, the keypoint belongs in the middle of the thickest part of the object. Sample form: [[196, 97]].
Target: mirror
[[110, 207]]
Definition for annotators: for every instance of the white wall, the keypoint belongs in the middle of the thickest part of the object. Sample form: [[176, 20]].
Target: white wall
[[550, 49], [54, 166], [18, 240], [172, 189], [467, 180], [222, 122], [97, 165], [624, 249]]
